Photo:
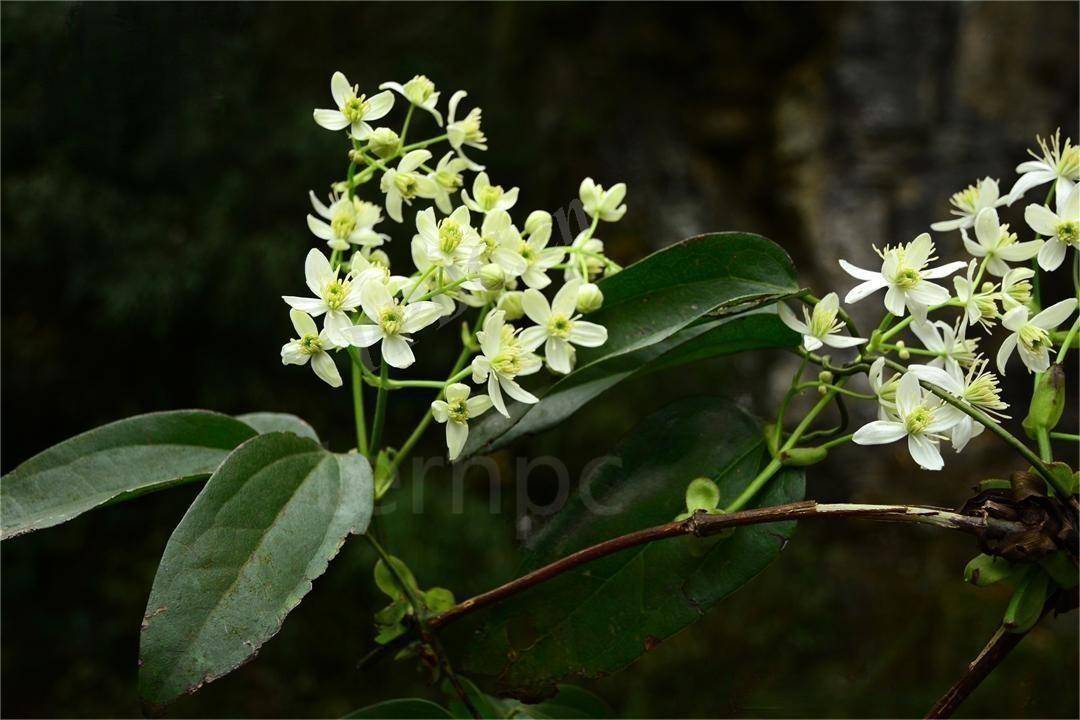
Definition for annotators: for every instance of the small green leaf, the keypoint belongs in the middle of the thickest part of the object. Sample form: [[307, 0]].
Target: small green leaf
[[263, 527], [402, 709], [1061, 569], [387, 581], [438, 600], [702, 494], [268, 422], [115, 462], [600, 617], [985, 570], [1026, 606]]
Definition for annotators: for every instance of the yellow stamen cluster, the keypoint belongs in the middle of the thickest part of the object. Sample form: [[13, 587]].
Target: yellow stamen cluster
[[391, 319]]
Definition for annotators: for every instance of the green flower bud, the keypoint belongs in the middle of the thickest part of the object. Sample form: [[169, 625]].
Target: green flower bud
[[801, 457], [492, 276], [825, 377], [986, 570], [536, 220], [384, 142], [589, 298], [510, 303], [378, 257], [1025, 607], [1047, 402], [702, 494]]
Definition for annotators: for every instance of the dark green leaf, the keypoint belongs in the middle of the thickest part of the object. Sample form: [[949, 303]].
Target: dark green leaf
[[265, 525], [115, 462], [754, 330], [268, 422], [599, 618], [1026, 605], [402, 709], [572, 702]]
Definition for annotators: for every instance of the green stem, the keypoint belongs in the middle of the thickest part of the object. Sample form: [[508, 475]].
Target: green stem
[[405, 125], [380, 407], [421, 144], [1042, 436], [778, 433], [886, 336], [838, 441], [1063, 351], [1065, 436], [358, 405]]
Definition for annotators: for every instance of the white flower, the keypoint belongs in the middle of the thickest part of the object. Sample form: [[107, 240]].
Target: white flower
[[602, 203], [353, 110], [538, 257], [968, 202], [979, 303], [997, 244], [404, 183], [820, 327], [558, 327], [351, 222], [447, 179], [904, 273], [1058, 163], [420, 92], [884, 390], [920, 419], [1062, 229], [390, 322], [586, 257], [976, 388], [456, 411], [466, 131], [487, 197], [503, 358], [1031, 335], [949, 343], [311, 345], [1016, 288], [375, 267], [333, 295], [452, 245]]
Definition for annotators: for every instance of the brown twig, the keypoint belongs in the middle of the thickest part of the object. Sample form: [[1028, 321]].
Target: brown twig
[[1001, 643]]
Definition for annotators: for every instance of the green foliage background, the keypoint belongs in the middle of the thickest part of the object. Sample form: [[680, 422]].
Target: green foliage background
[[156, 160]]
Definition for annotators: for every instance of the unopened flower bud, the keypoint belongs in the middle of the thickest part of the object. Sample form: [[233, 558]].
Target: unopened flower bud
[[986, 570], [492, 276], [822, 390], [1047, 402], [384, 142], [988, 287], [801, 457], [825, 377], [378, 257], [536, 220], [1027, 602], [589, 298], [510, 303]]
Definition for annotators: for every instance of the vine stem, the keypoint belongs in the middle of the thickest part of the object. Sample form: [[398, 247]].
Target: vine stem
[[999, 646], [358, 403], [380, 406]]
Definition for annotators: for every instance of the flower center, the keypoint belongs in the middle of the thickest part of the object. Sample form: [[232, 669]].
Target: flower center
[[489, 196], [1069, 232], [918, 420], [448, 180], [343, 223], [559, 326], [1069, 165], [450, 236], [823, 322], [526, 252], [405, 183], [458, 411], [507, 362], [907, 278], [335, 293], [1034, 338], [355, 109], [984, 391], [1020, 292], [310, 344], [965, 200], [391, 320], [419, 89]]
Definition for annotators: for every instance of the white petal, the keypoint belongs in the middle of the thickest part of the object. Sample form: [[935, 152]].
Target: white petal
[[536, 306], [456, 392], [988, 228], [335, 324], [811, 343], [302, 323], [396, 352], [413, 160], [587, 334], [1041, 219], [862, 290], [1005, 352], [1054, 315], [937, 376], [456, 435], [440, 411], [362, 335], [925, 452], [927, 293], [788, 318], [557, 354], [311, 306], [1015, 318], [514, 390], [478, 405], [419, 315], [858, 273], [379, 104], [879, 432], [317, 271], [324, 367], [291, 354], [532, 337], [895, 301], [340, 88], [943, 270], [842, 341], [1038, 361], [1051, 255], [330, 119], [928, 335], [1018, 252], [566, 299], [909, 393], [496, 395]]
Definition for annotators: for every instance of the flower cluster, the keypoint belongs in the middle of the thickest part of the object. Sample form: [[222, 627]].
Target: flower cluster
[[998, 286], [466, 251]]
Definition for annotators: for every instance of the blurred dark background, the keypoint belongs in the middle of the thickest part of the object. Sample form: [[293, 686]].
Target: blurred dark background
[[156, 160]]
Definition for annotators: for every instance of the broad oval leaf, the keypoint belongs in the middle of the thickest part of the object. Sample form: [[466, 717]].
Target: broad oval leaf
[[263, 527], [403, 708], [754, 330], [114, 462], [599, 618], [268, 422]]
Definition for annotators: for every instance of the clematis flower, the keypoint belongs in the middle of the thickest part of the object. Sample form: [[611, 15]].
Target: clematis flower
[[1016, 288], [1031, 336], [976, 388], [538, 257], [969, 202], [403, 183], [352, 222], [1061, 229], [904, 273], [391, 323], [501, 242], [948, 342], [354, 111], [602, 203], [334, 296], [311, 345], [447, 179], [585, 253], [884, 390], [997, 244], [504, 357], [558, 328], [487, 197], [1057, 163], [980, 306], [465, 132], [821, 326], [419, 91], [452, 245], [456, 411], [920, 417]]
